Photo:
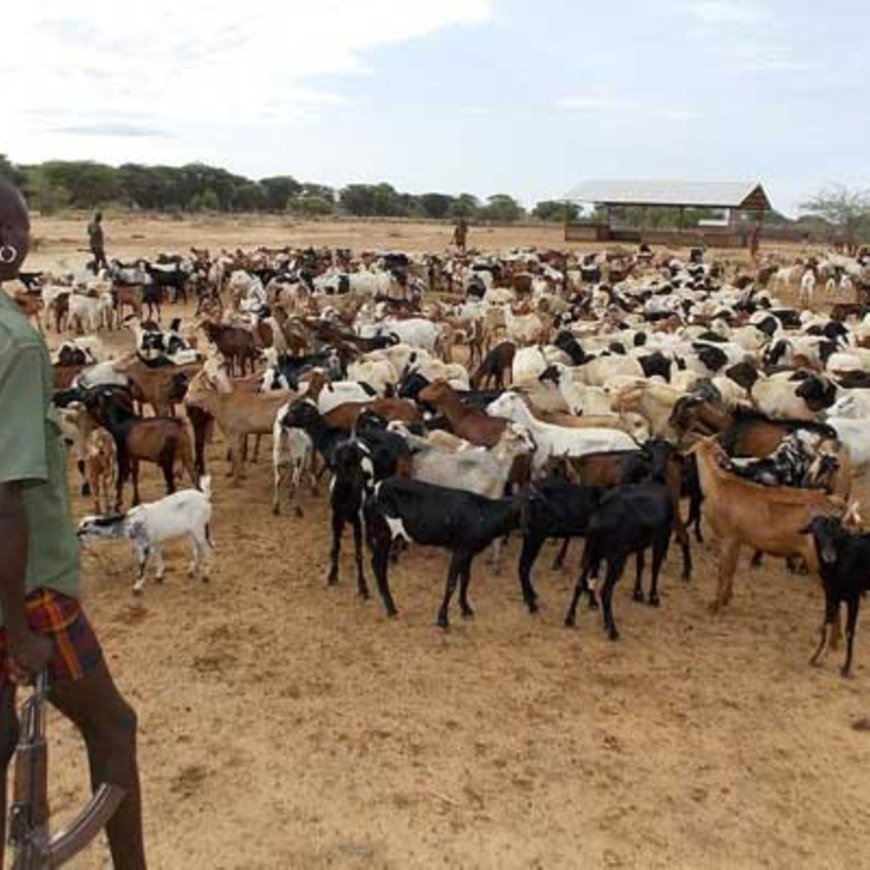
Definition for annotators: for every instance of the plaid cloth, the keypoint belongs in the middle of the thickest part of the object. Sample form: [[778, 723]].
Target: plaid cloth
[[61, 618]]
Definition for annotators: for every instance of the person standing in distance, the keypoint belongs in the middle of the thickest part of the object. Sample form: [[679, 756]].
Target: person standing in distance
[[97, 242]]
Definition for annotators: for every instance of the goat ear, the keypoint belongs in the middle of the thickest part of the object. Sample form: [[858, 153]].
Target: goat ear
[[851, 517]]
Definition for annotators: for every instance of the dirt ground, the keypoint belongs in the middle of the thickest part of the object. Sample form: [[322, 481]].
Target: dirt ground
[[284, 724]]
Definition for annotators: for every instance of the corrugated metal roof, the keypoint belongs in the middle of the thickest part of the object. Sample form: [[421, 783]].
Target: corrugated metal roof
[[726, 194]]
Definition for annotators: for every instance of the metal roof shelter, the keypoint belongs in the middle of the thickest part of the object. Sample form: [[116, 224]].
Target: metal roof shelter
[[738, 197], [694, 194]]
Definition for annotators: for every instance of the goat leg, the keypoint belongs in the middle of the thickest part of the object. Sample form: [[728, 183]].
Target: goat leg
[[852, 605], [450, 587], [380, 560], [531, 548], [464, 581], [559, 561], [362, 586], [335, 551], [638, 581]]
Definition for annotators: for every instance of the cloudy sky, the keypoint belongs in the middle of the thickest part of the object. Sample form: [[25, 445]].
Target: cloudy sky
[[527, 97]]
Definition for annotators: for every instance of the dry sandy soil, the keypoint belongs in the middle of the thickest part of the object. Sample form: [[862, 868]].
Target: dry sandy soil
[[284, 724]]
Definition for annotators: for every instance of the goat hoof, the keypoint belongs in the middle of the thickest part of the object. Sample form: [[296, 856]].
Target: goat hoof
[[846, 672], [136, 591], [332, 580], [638, 595], [392, 613], [299, 513], [533, 606], [570, 621], [653, 600], [467, 613], [816, 661], [613, 634], [158, 579], [276, 510]]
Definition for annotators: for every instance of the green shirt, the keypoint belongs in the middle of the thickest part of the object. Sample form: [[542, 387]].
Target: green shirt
[[32, 453]]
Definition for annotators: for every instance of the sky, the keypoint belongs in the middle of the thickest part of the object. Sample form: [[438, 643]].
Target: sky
[[527, 97]]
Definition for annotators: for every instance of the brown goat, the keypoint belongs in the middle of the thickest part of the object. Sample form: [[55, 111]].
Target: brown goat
[[101, 459], [238, 345], [491, 372], [157, 387], [769, 519], [161, 440], [472, 424], [237, 413], [344, 416]]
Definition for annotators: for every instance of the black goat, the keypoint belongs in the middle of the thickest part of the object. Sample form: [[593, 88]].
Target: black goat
[[843, 560], [629, 520], [462, 522], [352, 472], [554, 508]]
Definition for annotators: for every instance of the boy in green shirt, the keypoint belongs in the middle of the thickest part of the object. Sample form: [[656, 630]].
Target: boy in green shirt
[[42, 625]]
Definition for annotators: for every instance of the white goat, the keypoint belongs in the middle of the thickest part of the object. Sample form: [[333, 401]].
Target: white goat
[[146, 527], [553, 440], [292, 454]]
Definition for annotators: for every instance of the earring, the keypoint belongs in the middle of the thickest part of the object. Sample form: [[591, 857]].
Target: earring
[[8, 254]]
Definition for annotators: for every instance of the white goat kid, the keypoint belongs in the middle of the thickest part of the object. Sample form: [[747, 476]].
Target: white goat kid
[[146, 527]]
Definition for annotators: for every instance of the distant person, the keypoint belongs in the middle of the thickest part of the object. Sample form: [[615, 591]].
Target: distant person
[[460, 235], [97, 242], [42, 624], [754, 241]]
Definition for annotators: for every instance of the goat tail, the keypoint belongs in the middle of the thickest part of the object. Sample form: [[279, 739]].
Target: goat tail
[[205, 485]]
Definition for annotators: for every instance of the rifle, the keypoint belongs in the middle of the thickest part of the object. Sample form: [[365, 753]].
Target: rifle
[[34, 847]]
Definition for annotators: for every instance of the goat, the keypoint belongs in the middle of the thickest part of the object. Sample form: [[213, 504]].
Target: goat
[[147, 526], [630, 519], [161, 440], [292, 452], [553, 508], [498, 362], [472, 424], [352, 472], [464, 523], [557, 440], [238, 413], [100, 458], [843, 559], [237, 345], [769, 519]]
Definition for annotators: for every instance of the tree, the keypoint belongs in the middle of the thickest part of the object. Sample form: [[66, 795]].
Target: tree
[[11, 172], [311, 205], [435, 205], [847, 210], [554, 210], [206, 200], [278, 190], [466, 205], [501, 207], [249, 196]]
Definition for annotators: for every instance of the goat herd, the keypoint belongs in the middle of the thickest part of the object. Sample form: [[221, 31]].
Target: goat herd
[[598, 391]]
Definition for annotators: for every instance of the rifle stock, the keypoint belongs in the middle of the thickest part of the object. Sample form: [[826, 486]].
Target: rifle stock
[[29, 813]]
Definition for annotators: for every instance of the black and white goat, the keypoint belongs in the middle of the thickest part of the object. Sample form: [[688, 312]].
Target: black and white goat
[[147, 526], [797, 461]]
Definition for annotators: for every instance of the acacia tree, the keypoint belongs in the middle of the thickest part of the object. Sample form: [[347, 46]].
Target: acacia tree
[[847, 210]]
